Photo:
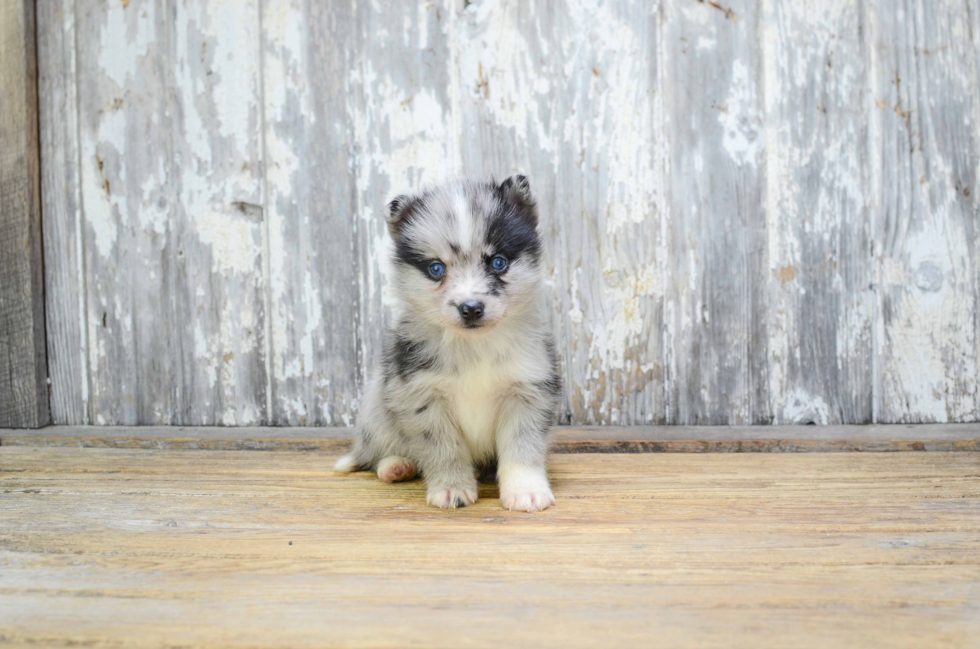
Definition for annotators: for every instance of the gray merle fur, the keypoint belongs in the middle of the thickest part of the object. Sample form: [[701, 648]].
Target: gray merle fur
[[453, 399]]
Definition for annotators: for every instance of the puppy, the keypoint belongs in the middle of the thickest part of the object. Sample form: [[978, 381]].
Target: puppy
[[469, 379]]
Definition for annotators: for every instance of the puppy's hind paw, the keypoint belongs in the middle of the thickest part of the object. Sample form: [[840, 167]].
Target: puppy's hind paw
[[346, 464], [451, 498], [528, 501], [396, 469]]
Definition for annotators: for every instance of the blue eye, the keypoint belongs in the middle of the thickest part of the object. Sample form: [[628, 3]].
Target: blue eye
[[437, 269], [499, 263]]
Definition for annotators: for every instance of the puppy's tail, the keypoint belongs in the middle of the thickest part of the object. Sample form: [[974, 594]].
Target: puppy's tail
[[346, 464], [353, 461]]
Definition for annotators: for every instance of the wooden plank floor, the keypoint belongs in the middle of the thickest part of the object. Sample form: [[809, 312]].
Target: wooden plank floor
[[138, 548]]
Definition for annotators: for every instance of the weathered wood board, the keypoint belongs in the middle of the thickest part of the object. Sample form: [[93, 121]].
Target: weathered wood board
[[926, 157], [129, 209], [717, 324], [818, 213], [215, 253], [23, 368], [564, 439], [310, 222], [64, 272], [137, 548], [756, 211]]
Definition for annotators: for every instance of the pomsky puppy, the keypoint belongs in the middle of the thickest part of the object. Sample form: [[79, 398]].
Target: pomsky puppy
[[469, 379]]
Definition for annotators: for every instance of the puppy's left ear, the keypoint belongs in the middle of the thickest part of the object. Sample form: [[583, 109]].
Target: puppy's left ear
[[516, 191], [396, 211]]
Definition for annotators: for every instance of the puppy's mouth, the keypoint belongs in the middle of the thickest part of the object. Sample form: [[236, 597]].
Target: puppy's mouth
[[477, 327]]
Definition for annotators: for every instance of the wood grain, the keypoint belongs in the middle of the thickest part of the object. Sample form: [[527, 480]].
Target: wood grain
[[64, 270], [23, 362], [145, 549]]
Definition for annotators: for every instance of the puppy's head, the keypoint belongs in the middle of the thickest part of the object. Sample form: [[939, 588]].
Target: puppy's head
[[467, 253]]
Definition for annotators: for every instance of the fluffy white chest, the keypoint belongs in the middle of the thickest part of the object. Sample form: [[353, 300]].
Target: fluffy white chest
[[477, 395]]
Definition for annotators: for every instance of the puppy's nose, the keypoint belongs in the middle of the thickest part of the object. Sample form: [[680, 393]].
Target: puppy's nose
[[471, 312]]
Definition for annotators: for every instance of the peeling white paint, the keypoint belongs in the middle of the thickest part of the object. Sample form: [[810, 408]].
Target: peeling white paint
[[495, 71], [234, 242], [612, 338], [706, 43], [610, 53], [802, 408], [137, 29], [817, 196], [204, 355], [575, 313], [740, 117]]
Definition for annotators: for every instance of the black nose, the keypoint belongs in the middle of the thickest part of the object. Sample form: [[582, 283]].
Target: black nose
[[471, 312]]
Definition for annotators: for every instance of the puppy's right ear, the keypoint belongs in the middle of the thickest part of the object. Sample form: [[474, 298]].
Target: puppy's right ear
[[396, 211], [516, 190]]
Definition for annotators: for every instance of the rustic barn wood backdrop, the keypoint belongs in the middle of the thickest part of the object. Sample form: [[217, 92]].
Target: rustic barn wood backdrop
[[755, 211]]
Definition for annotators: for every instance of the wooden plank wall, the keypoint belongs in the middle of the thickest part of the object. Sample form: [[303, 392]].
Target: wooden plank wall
[[756, 211], [23, 372]]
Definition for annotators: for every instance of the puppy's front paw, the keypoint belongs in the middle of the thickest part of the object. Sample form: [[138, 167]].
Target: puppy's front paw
[[524, 489], [528, 501], [452, 497]]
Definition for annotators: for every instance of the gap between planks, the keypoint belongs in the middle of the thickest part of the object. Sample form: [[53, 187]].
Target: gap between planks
[[596, 439]]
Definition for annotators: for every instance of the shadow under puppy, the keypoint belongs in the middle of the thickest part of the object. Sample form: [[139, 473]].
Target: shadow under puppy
[[469, 378]]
